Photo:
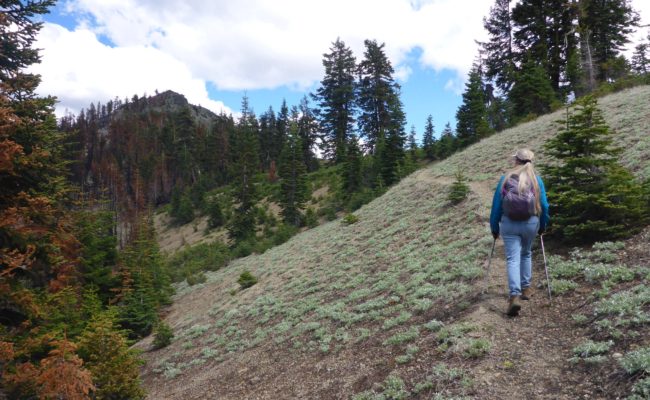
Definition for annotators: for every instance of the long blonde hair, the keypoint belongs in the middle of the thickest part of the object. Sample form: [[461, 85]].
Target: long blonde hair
[[525, 171]]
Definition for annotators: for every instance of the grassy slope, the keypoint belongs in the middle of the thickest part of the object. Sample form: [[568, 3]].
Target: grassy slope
[[340, 308]]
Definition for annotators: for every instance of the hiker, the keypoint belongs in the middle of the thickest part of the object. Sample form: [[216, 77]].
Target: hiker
[[519, 212]]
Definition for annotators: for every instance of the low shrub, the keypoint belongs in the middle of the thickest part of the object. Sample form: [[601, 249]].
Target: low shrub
[[163, 335], [350, 219], [246, 280]]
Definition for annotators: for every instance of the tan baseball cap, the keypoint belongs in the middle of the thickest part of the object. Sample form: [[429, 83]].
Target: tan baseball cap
[[524, 155]]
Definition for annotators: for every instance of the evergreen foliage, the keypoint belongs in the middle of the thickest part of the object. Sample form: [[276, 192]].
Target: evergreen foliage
[[145, 283], [352, 179], [336, 99], [543, 33], [215, 214], [472, 123], [381, 112], [606, 26], [163, 335], [115, 367], [499, 55], [592, 197], [293, 185], [532, 93], [459, 189], [96, 233], [246, 280], [307, 132], [640, 62], [447, 142], [429, 140], [245, 166]]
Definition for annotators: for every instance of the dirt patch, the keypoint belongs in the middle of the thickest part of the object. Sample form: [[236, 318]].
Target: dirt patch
[[173, 238]]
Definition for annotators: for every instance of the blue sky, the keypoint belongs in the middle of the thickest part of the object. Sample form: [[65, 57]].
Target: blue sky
[[214, 52]]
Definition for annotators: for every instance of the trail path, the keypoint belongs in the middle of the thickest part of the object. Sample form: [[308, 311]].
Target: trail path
[[528, 356]]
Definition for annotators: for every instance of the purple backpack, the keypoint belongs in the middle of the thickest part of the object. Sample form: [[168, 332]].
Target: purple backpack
[[517, 206]]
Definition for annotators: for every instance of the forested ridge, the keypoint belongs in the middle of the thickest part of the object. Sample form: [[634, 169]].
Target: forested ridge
[[82, 276]]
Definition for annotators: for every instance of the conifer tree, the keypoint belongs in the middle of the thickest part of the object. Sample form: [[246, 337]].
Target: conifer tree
[[472, 124], [606, 27], [447, 142], [499, 54], [268, 133], [96, 233], [148, 284], [378, 97], [429, 140], [412, 143], [352, 179], [544, 34], [335, 99], [592, 197], [532, 92], [641, 59], [114, 366], [307, 131], [293, 185], [245, 166]]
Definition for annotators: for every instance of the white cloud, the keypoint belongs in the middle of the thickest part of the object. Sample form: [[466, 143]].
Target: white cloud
[[78, 69], [247, 44], [253, 44]]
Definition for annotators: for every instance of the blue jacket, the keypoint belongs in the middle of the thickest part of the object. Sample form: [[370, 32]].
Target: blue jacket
[[497, 210]]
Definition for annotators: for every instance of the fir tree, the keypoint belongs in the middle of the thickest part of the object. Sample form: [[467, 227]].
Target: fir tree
[[472, 124], [215, 214], [447, 143], [606, 27], [592, 197], [544, 34], [335, 99], [96, 233], [352, 179], [293, 185], [641, 59], [378, 97], [114, 366], [412, 143], [429, 140], [307, 131], [499, 60], [532, 92], [245, 166]]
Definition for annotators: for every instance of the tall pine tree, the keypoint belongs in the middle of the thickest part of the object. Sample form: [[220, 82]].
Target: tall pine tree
[[245, 166], [605, 27], [293, 184], [499, 54], [429, 139], [472, 123], [308, 132], [335, 99]]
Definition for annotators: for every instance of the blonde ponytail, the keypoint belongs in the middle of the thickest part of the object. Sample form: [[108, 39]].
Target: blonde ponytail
[[527, 177]]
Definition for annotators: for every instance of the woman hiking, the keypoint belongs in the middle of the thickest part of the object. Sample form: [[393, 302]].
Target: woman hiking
[[519, 212]]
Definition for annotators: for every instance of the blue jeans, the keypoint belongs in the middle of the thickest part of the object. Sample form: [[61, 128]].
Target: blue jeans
[[518, 239]]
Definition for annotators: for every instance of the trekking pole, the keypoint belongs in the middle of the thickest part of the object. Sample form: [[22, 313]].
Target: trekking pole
[[548, 280], [487, 274]]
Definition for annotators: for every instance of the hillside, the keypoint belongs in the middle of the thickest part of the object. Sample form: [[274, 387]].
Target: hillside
[[391, 305]]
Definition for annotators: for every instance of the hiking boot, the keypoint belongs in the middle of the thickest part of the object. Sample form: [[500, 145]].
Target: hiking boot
[[526, 293], [513, 306]]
